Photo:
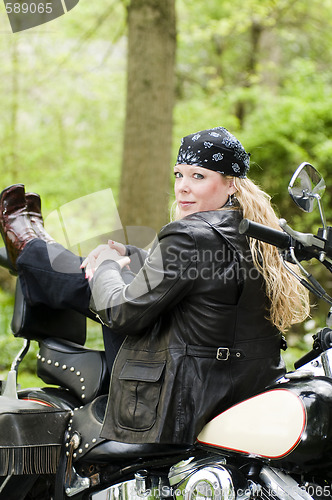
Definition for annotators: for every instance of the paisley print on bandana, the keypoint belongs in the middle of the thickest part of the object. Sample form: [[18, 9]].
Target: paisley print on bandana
[[190, 158], [215, 149]]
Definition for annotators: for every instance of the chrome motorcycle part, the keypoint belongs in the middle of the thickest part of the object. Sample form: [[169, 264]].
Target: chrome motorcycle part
[[306, 239], [20, 355], [10, 385], [329, 319], [208, 483], [205, 479], [309, 282], [121, 491], [282, 485], [142, 483], [180, 471], [148, 488], [326, 357], [9, 388], [307, 186], [75, 484]]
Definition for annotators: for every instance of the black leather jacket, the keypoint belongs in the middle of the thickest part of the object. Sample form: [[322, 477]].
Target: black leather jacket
[[197, 337]]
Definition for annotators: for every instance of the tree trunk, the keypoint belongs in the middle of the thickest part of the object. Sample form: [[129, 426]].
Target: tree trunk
[[256, 31], [145, 178]]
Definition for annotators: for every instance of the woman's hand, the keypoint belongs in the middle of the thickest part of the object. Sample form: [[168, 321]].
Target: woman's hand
[[112, 251], [119, 247]]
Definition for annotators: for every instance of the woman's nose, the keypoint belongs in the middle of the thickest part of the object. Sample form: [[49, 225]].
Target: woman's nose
[[184, 186]]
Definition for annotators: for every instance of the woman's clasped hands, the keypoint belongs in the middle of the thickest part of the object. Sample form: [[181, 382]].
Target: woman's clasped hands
[[111, 251]]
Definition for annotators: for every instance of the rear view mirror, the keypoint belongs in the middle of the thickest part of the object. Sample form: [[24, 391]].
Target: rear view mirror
[[306, 187]]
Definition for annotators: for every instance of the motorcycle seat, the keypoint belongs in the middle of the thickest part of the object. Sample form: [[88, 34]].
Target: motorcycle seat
[[87, 423], [81, 370]]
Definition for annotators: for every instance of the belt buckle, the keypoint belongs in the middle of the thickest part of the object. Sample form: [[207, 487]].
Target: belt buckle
[[222, 354]]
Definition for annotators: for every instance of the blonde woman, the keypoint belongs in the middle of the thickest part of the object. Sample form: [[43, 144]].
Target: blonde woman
[[201, 321]]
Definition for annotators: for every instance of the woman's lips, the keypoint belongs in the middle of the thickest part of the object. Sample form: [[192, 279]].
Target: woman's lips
[[186, 203]]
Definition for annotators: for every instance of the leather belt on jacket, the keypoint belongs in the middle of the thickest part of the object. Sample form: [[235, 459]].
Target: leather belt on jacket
[[254, 349]]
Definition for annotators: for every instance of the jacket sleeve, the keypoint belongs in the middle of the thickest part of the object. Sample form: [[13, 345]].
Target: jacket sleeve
[[162, 282], [137, 257]]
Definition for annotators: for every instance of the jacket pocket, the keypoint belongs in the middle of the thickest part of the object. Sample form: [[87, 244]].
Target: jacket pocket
[[141, 383]]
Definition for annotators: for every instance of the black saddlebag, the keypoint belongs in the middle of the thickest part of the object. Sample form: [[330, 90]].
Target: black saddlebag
[[31, 436]]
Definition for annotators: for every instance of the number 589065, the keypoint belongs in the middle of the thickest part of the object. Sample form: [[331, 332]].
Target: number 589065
[[25, 8]]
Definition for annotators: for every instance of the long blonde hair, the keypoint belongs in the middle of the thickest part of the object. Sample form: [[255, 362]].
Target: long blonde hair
[[289, 299]]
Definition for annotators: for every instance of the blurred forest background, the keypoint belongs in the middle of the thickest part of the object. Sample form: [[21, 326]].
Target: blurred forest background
[[74, 120]]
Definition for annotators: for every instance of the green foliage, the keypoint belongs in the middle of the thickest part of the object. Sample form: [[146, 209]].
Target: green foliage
[[7, 350], [61, 126]]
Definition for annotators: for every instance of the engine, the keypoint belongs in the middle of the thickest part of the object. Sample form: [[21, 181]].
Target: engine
[[207, 480]]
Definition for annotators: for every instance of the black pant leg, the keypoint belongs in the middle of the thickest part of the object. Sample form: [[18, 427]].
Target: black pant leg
[[50, 274]]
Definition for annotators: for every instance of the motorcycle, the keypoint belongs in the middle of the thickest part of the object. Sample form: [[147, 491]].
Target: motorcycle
[[276, 445]]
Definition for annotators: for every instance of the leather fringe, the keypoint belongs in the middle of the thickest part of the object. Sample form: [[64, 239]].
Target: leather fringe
[[30, 460]]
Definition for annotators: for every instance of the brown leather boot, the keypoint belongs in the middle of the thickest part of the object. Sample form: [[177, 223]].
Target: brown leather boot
[[33, 202], [15, 226]]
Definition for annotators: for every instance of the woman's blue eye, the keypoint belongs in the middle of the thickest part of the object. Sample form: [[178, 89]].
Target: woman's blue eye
[[198, 176], [177, 175]]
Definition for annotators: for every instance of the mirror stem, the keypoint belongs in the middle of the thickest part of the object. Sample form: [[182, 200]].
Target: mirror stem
[[323, 219]]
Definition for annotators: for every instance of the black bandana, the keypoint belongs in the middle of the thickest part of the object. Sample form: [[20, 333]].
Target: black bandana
[[215, 149]]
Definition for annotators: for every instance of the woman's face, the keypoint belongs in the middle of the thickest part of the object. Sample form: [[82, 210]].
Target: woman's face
[[198, 189]]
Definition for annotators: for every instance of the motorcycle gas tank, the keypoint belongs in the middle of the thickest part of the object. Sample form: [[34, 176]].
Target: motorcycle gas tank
[[290, 422]]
